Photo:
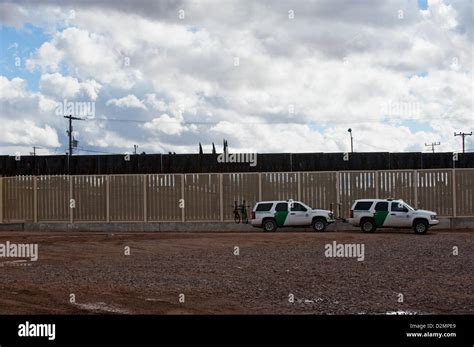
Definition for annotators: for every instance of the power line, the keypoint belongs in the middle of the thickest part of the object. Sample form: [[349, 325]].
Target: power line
[[463, 135], [432, 145], [373, 146], [94, 151]]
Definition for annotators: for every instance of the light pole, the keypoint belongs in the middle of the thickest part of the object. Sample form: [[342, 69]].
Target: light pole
[[352, 140]]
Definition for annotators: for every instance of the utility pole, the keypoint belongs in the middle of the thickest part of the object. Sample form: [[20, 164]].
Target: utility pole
[[69, 133], [34, 156], [34, 150], [352, 140], [135, 149], [463, 135], [432, 145]]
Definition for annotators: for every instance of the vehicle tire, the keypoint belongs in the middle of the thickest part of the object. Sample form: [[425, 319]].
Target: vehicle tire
[[236, 218], [269, 225], [420, 226], [368, 225], [319, 224]]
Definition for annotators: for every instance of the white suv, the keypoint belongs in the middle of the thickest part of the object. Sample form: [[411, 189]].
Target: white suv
[[370, 214], [273, 214]]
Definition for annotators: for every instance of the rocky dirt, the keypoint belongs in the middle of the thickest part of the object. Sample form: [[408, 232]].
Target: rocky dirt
[[269, 271]]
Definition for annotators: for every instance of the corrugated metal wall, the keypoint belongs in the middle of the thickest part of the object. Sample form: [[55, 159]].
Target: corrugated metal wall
[[90, 195], [239, 187], [464, 190], [210, 197], [163, 194], [319, 189], [18, 198]]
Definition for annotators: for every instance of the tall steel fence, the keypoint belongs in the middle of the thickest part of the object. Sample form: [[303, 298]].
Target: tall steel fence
[[210, 197]]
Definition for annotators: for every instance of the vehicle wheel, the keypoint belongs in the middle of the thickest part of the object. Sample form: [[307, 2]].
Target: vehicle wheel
[[368, 226], [269, 225], [420, 227], [319, 224], [237, 218]]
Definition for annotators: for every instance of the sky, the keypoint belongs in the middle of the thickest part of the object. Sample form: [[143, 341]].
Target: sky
[[268, 76]]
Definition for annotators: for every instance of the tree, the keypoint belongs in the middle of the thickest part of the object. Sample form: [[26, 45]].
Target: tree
[[226, 146]]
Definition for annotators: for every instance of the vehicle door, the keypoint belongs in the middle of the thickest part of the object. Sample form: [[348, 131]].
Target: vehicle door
[[299, 214], [281, 214], [399, 215], [381, 214]]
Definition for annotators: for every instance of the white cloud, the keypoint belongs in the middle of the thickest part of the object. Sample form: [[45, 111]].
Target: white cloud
[[155, 103], [167, 125], [48, 58], [26, 132], [58, 85], [14, 89], [89, 55], [129, 101], [398, 82], [68, 87]]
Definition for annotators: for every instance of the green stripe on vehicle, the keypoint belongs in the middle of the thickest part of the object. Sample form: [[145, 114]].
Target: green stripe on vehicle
[[280, 217], [380, 217]]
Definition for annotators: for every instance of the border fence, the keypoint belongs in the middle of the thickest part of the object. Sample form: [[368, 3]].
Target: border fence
[[208, 163], [211, 196]]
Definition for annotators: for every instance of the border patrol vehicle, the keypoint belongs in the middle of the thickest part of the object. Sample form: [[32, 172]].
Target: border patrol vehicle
[[271, 215], [370, 214]]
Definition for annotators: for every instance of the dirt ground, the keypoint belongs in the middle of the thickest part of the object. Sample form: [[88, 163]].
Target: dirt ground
[[401, 272]]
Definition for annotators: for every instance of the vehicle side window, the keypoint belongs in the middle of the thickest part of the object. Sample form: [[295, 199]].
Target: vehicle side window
[[282, 206], [397, 207], [264, 207], [363, 205], [381, 206], [298, 207]]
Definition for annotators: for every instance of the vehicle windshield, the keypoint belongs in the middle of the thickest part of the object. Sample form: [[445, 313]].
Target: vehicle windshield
[[408, 206]]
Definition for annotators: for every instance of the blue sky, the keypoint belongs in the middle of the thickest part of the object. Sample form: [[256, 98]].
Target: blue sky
[[20, 43], [423, 4]]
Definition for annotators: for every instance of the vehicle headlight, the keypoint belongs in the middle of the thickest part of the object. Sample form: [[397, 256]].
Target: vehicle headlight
[[434, 217]]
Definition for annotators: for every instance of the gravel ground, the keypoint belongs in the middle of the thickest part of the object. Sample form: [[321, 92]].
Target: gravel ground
[[271, 269]]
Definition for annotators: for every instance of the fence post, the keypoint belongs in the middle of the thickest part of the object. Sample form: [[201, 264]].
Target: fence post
[[259, 186], [338, 193], [145, 215], [221, 196], [183, 215], [1, 199], [35, 199], [107, 197], [376, 184], [71, 210], [415, 175], [454, 192], [298, 178]]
